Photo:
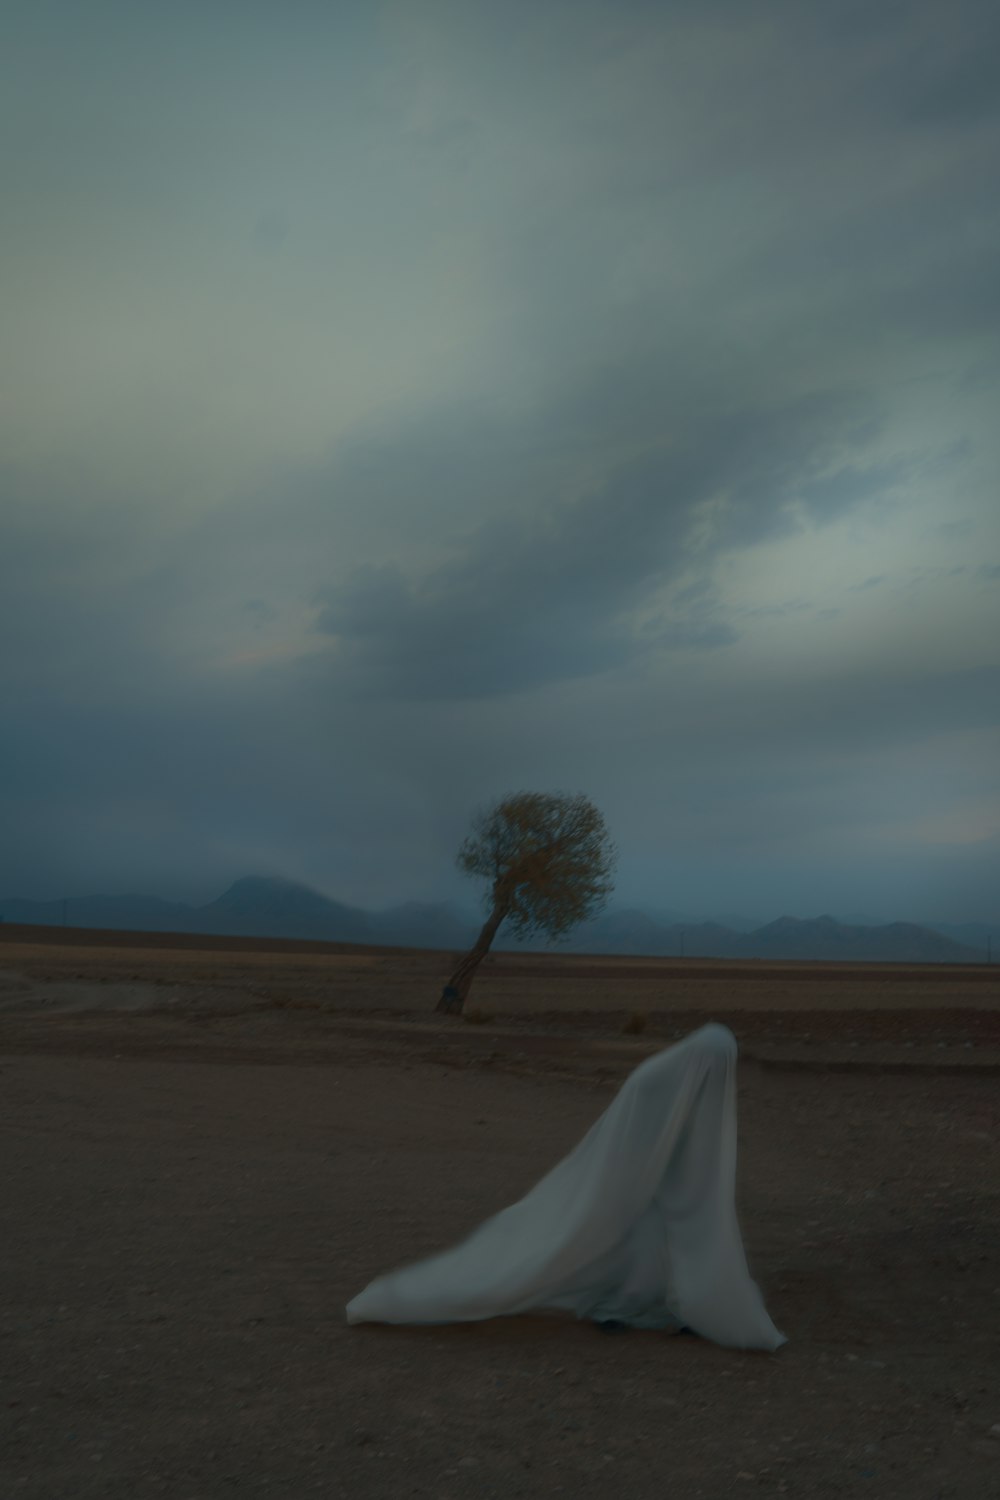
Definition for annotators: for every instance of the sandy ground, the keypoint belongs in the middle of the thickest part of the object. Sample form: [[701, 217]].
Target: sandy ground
[[208, 1153]]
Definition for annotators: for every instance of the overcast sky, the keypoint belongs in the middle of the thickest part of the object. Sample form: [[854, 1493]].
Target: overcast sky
[[406, 403]]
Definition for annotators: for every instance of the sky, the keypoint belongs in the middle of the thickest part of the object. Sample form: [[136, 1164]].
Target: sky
[[406, 403]]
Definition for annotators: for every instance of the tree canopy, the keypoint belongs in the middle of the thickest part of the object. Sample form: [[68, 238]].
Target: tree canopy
[[548, 860]]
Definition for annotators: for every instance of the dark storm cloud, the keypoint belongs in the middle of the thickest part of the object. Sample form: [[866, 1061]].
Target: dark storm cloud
[[555, 593]]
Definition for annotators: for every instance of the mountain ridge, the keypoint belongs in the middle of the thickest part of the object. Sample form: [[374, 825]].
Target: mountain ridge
[[269, 906]]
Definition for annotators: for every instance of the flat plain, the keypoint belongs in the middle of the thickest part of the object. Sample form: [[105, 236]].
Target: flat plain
[[212, 1144]]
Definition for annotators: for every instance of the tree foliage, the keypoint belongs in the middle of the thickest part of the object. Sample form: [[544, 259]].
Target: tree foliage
[[548, 861]]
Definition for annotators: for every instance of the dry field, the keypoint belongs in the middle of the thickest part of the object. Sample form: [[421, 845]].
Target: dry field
[[212, 1145]]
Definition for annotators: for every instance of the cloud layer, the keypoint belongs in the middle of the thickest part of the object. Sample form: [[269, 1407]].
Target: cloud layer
[[412, 403]]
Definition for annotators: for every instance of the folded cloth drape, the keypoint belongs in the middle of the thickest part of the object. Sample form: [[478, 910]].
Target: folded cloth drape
[[638, 1223]]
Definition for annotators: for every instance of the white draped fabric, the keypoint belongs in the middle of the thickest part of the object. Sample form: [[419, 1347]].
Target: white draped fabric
[[637, 1224]]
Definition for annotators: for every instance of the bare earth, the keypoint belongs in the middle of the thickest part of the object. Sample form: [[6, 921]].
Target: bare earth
[[212, 1146]]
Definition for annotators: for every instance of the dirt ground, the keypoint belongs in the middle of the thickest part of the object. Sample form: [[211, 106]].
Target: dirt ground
[[210, 1150]]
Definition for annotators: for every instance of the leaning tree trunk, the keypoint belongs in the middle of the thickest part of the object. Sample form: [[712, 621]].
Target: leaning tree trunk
[[455, 991]]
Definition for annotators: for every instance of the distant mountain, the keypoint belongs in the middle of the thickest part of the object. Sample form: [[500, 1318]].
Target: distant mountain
[[259, 907], [269, 907], [977, 935], [637, 932], [734, 922], [823, 938], [255, 907], [626, 931]]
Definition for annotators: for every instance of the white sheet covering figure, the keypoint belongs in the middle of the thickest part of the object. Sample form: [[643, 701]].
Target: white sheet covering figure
[[636, 1225]]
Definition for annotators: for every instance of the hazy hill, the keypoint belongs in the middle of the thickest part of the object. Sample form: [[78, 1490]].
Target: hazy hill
[[638, 932], [263, 907], [269, 907], [614, 931], [975, 935], [255, 907], [824, 938]]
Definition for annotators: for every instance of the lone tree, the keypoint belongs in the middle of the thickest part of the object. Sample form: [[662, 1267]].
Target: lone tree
[[548, 860]]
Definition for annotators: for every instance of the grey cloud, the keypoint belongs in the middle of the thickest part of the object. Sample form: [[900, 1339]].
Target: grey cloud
[[979, 375], [680, 284], [923, 576], [260, 611], [700, 634], [802, 723], [362, 606], [912, 62], [553, 594], [774, 611], [875, 710], [851, 486], [953, 78]]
